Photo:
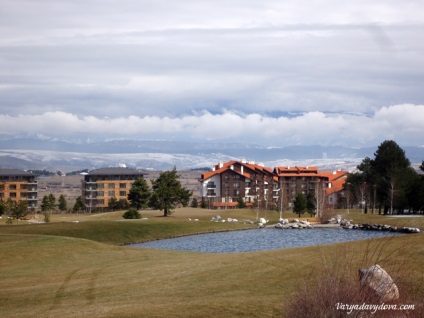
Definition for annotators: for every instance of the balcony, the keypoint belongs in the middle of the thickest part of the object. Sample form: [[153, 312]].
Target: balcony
[[90, 182]]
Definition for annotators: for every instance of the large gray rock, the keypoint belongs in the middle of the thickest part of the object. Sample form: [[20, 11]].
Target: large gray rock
[[376, 281]]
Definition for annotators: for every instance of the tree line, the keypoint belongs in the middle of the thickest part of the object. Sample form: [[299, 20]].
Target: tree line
[[165, 194], [387, 183]]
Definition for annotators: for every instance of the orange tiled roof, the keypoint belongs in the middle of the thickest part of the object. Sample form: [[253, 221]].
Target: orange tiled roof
[[334, 175], [227, 166], [295, 170], [336, 185]]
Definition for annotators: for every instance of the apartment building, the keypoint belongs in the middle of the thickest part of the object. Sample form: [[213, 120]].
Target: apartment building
[[18, 185], [227, 182], [101, 185], [277, 188], [326, 186]]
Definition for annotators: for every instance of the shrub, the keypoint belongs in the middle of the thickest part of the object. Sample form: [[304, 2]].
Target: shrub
[[132, 213]]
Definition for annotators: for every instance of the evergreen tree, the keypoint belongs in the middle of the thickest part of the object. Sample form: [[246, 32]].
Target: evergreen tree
[[113, 204], [203, 204], [139, 194], [19, 210], [299, 203], [240, 203], [63, 204], [393, 173], [132, 213], [2, 207], [45, 204], [79, 205], [168, 192], [194, 203], [310, 203], [52, 201]]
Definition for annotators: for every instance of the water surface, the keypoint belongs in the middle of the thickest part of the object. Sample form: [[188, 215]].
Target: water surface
[[260, 240]]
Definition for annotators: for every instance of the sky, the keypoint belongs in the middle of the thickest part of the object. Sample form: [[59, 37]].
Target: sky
[[277, 73]]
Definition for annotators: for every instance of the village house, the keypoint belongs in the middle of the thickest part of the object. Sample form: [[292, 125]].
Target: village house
[[101, 185], [19, 186]]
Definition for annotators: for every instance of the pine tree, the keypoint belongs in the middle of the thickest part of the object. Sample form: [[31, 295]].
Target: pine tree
[[63, 204], [139, 194], [299, 203], [168, 192]]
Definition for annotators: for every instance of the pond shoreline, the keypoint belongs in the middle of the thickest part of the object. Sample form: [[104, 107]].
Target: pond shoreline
[[284, 227], [261, 239]]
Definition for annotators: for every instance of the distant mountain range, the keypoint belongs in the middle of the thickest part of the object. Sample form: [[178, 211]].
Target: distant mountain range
[[54, 155]]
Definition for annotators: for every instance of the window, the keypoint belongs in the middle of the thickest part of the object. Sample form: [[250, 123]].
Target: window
[[12, 194], [226, 185], [100, 193], [237, 176], [236, 185], [122, 185], [111, 193], [12, 186], [1, 187], [236, 193], [122, 193], [111, 186], [100, 186]]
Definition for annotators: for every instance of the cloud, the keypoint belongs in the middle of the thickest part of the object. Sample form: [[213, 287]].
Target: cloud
[[398, 122], [195, 69]]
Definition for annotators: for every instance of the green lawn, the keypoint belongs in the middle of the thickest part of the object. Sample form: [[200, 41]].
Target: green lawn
[[67, 269]]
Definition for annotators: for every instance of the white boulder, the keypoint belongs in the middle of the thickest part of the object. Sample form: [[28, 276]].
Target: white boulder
[[263, 221], [377, 281]]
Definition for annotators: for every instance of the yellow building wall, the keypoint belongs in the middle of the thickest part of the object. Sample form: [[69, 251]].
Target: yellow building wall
[[118, 189]]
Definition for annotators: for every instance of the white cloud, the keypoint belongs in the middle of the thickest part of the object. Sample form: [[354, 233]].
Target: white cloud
[[143, 68], [399, 122]]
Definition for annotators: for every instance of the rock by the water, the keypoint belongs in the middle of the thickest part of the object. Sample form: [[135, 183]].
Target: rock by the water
[[216, 218], [263, 221]]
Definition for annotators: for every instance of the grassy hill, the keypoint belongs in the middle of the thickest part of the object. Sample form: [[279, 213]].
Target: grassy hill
[[67, 269]]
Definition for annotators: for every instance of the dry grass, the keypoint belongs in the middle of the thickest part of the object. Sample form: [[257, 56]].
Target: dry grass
[[53, 276], [327, 292]]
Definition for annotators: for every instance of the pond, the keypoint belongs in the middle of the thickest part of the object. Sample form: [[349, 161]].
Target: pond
[[260, 240]]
